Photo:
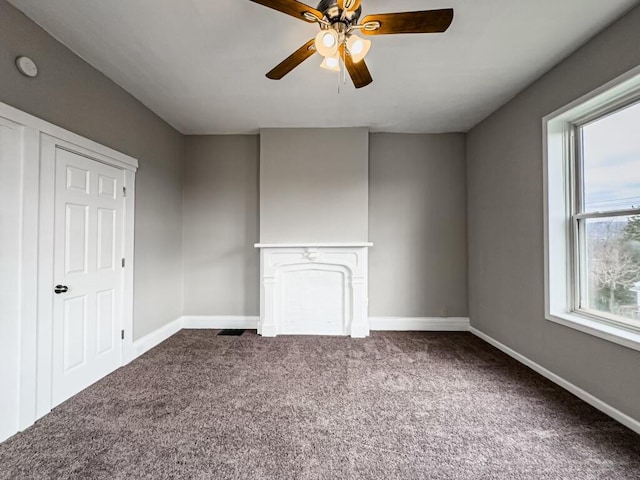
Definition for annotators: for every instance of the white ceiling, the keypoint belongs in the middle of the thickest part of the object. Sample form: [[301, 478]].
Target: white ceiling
[[201, 64]]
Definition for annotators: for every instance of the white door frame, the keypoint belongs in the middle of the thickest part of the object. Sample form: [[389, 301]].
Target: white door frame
[[36, 253]]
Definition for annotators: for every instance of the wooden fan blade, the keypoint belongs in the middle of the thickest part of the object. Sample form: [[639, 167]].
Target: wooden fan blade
[[358, 72], [293, 60], [430, 21], [291, 7]]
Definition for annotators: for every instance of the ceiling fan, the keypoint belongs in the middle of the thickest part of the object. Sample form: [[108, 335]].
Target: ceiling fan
[[336, 41]]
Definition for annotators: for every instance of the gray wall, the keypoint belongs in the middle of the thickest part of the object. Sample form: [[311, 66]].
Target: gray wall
[[417, 223], [71, 94], [221, 265], [313, 185], [505, 205]]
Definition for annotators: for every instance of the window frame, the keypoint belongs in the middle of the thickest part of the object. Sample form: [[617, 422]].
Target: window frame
[[580, 217], [564, 214]]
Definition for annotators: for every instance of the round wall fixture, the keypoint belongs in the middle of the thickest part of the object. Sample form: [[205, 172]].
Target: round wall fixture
[[27, 66]]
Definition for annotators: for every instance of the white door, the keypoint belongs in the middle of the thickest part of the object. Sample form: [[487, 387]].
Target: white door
[[88, 275]]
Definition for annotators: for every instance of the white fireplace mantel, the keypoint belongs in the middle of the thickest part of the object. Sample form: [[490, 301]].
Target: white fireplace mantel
[[307, 245], [314, 289]]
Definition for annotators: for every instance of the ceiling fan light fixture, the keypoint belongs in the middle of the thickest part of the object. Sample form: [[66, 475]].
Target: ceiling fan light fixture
[[338, 20], [327, 42], [331, 63], [358, 47]]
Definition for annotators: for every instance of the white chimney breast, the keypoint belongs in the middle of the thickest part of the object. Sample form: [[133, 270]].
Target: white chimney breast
[[314, 227]]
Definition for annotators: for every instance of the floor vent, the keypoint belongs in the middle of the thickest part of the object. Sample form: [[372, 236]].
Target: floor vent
[[231, 331]]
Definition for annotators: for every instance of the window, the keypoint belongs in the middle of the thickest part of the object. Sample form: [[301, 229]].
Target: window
[[592, 213], [606, 217]]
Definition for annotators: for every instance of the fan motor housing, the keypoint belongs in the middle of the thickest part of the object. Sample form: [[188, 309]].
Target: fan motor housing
[[333, 14]]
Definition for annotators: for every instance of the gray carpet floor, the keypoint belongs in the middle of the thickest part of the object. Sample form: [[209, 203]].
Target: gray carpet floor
[[392, 406]]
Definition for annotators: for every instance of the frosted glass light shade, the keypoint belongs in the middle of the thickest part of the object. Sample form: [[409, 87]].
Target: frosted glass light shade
[[358, 47], [327, 42], [331, 63]]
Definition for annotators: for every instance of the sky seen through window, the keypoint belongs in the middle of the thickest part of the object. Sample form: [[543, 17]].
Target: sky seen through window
[[611, 156]]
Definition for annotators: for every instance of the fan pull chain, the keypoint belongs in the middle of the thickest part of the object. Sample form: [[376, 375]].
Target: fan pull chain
[[343, 70]]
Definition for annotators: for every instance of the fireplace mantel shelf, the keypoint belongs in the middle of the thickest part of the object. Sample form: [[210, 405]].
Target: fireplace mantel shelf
[[314, 245]]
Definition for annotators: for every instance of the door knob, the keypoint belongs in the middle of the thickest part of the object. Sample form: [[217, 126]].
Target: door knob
[[61, 289]]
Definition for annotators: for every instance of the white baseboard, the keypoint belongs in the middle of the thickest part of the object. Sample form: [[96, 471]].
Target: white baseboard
[[156, 337], [219, 321], [420, 324], [577, 391]]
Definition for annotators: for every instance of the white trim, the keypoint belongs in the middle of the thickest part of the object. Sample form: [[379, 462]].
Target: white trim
[[618, 88], [114, 157], [212, 322], [11, 272], [614, 413], [45, 193], [155, 338], [312, 245], [559, 244], [48, 146], [419, 324], [29, 278], [399, 324], [612, 333], [128, 252], [33, 362], [220, 321]]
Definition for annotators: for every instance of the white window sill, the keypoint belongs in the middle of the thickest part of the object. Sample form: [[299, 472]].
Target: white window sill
[[611, 333]]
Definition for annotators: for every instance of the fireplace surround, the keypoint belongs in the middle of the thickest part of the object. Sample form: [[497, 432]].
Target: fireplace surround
[[314, 289]]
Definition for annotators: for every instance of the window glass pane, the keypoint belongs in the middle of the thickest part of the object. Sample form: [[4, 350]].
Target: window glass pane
[[612, 263], [611, 156]]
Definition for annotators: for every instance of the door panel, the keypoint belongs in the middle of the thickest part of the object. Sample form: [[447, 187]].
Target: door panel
[[107, 187], [75, 318], [87, 248], [105, 320], [106, 239], [77, 179], [76, 238]]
